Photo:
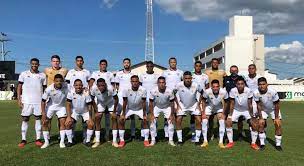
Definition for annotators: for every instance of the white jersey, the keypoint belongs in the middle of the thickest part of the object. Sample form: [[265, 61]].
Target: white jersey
[[32, 86], [123, 79], [107, 76], [79, 101], [105, 98], [202, 80], [149, 82], [252, 83], [241, 100], [57, 97], [187, 96], [135, 98], [83, 75], [267, 99], [173, 77], [162, 100], [215, 102]]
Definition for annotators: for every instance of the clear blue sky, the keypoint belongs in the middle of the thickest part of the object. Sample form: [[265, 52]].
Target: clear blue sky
[[77, 27]]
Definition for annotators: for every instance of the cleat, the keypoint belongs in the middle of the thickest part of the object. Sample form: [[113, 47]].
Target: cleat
[[146, 143], [254, 146], [45, 145], [122, 144], [94, 140], [69, 144], [22, 144], [221, 145], [193, 138], [61, 145], [229, 145], [88, 144], [38, 142], [96, 144], [152, 143], [278, 148], [171, 143], [262, 147], [180, 143], [205, 144], [84, 141], [115, 144]]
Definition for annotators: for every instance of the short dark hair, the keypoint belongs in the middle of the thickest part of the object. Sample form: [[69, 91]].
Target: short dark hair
[[55, 56], [172, 58], [134, 76], [79, 57], [215, 59], [253, 65], [187, 73], [161, 78], [58, 76], [77, 80], [234, 66], [127, 59], [34, 59], [215, 81], [240, 78], [149, 62], [103, 60], [101, 80], [198, 62], [262, 79]]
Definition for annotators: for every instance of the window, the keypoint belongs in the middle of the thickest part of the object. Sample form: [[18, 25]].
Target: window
[[218, 47], [196, 58], [202, 55], [208, 52]]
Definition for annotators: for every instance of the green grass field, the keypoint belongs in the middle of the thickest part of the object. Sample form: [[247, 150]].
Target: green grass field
[[161, 154]]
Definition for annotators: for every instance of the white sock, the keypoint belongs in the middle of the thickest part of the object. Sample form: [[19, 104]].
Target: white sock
[[153, 130], [24, 127], [132, 126], [121, 135], [254, 136], [38, 129], [166, 130], [221, 130], [197, 135], [89, 135], [205, 129], [62, 136], [171, 131], [146, 134], [69, 134], [278, 139], [262, 137], [46, 136], [97, 136], [114, 133], [229, 132], [179, 135]]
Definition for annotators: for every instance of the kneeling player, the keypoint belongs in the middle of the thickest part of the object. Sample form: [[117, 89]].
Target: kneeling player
[[161, 101], [241, 106], [268, 105], [134, 103], [187, 102], [79, 105], [212, 104], [56, 95], [106, 100]]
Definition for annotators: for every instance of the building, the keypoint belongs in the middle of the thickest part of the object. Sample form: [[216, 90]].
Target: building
[[140, 68]]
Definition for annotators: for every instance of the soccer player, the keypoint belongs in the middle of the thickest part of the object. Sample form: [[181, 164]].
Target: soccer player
[[55, 68], [53, 102], [241, 105], [186, 94], [268, 105], [107, 99], [29, 93], [252, 78], [78, 107], [134, 103], [173, 77], [212, 104], [161, 101]]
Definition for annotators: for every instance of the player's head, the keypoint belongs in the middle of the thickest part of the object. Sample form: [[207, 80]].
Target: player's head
[[78, 86], [161, 83], [135, 81], [234, 70], [58, 81], [240, 83], [79, 61], [215, 63], [172, 63], [262, 82], [55, 61], [101, 84], [149, 66], [187, 77], [252, 69], [103, 65], [198, 66], [34, 64], [126, 63], [215, 86]]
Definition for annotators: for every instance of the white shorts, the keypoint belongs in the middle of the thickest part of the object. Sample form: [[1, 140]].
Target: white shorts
[[265, 115], [85, 116], [60, 113], [165, 111], [139, 113], [31, 109], [237, 114], [102, 109], [193, 110], [209, 111]]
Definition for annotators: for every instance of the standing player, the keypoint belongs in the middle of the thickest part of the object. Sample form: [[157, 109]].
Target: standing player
[[268, 105], [212, 104], [187, 102], [161, 101], [134, 103], [29, 93], [173, 77], [56, 95], [78, 107], [55, 68], [107, 99], [241, 105]]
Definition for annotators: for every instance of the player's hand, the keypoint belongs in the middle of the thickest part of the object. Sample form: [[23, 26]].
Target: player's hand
[[68, 121], [113, 115], [122, 117], [44, 120], [204, 116], [145, 117], [90, 122], [20, 104], [277, 122], [172, 118], [152, 117]]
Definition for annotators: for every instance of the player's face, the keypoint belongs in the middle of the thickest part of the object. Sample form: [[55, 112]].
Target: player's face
[[215, 88], [55, 62], [150, 68], [126, 64], [79, 62], [135, 82], [240, 85], [198, 67], [34, 65], [78, 86], [58, 83], [187, 80], [102, 86], [172, 63], [161, 84], [234, 70], [251, 70], [214, 64], [103, 66], [263, 86]]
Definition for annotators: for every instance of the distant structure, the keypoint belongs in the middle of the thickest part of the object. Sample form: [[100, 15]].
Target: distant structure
[[149, 47], [3, 39]]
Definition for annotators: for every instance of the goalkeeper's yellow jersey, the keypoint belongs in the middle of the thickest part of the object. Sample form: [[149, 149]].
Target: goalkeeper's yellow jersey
[[216, 74], [51, 72]]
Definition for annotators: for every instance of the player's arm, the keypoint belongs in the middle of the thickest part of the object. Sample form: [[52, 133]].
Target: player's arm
[[19, 94], [151, 107], [203, 105], [124, 105], [143, 101], [276, 109], [115, 104], [250, 107], [94, 105], [259, 108], [231, 107], [68, 120], [226, 104]]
